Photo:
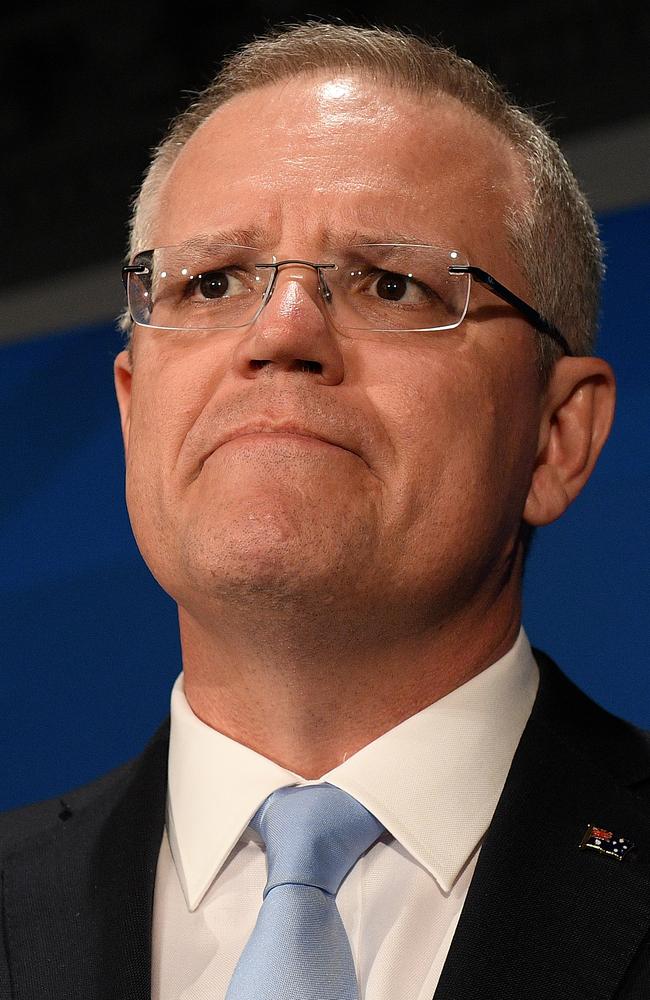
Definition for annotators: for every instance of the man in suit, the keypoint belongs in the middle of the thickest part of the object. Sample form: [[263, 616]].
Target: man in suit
[[363, 289]]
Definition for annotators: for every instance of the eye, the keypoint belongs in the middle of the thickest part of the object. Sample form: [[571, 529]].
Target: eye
[[395, 287], [217, 285]]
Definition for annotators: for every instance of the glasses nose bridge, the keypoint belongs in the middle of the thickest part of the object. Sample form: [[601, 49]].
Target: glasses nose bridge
[[298, 274]]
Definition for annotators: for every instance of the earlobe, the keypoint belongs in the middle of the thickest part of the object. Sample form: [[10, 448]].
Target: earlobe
[[576, 419], [123, 374]]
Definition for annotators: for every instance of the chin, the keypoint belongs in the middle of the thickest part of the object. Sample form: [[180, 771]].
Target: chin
[[266, 556]]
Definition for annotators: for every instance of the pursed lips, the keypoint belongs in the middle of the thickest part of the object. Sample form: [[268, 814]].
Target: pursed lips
[[284, 429]]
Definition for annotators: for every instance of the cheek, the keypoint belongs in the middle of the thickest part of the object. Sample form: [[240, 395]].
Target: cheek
[[172, 382], [168, 391], [464, 437]]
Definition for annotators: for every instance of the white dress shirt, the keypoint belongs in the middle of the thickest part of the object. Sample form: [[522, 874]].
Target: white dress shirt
[[433, 781]]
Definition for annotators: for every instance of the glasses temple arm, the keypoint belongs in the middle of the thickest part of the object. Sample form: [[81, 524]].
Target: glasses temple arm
[[534, 318], [133, 269]]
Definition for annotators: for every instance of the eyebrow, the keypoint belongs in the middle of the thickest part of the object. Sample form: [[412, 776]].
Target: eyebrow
[[358, 237], [254, 237]]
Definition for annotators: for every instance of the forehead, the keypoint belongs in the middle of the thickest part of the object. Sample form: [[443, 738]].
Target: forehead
[[310, 154]]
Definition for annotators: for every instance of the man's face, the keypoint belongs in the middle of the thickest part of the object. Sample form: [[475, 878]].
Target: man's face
[[414, 497]]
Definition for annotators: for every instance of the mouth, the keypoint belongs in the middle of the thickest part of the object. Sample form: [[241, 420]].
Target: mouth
[[265, 434], [265, 437]]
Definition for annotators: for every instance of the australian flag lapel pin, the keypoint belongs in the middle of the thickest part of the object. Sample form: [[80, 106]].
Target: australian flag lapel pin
[[598, 839]]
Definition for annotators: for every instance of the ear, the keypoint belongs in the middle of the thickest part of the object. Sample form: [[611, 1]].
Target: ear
[[577, 414], [123, 374]]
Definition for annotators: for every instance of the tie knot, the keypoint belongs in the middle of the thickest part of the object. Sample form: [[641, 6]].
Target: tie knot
[[314, 834]]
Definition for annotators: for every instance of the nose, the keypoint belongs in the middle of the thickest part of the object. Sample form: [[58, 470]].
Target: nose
[[292, 333]]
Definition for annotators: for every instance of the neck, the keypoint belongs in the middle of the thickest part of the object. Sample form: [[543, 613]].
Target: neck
[[308, 697]]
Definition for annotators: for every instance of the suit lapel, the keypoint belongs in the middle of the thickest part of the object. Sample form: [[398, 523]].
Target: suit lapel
[[78, 913], [544, 918]]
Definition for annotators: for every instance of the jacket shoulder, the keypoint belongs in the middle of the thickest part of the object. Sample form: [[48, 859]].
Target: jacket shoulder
[[590, 730], [38, 821]]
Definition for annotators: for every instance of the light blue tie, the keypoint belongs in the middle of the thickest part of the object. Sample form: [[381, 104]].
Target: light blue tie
[[299, 950]]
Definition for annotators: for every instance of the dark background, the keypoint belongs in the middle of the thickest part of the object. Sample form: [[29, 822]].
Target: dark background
[[89, 642], [92, 87]]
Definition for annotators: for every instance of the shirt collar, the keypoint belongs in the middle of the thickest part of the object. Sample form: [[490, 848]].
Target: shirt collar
[[434, 780]]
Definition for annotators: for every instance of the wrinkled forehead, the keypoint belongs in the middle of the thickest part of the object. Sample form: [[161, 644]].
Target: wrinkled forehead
[[310, 153]]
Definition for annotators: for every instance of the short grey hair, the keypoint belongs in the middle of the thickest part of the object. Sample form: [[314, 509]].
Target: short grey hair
[[553, 234]]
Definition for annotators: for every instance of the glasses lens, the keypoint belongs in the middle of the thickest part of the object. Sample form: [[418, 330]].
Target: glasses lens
[[385, 287], [200, 285]]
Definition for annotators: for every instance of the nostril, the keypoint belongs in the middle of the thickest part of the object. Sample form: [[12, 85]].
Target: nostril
[[298, 365]]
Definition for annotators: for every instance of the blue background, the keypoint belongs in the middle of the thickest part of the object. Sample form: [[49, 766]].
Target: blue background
[[89, 641]]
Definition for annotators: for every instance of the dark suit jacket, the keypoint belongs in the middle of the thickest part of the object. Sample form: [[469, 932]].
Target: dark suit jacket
[[543, 918]]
